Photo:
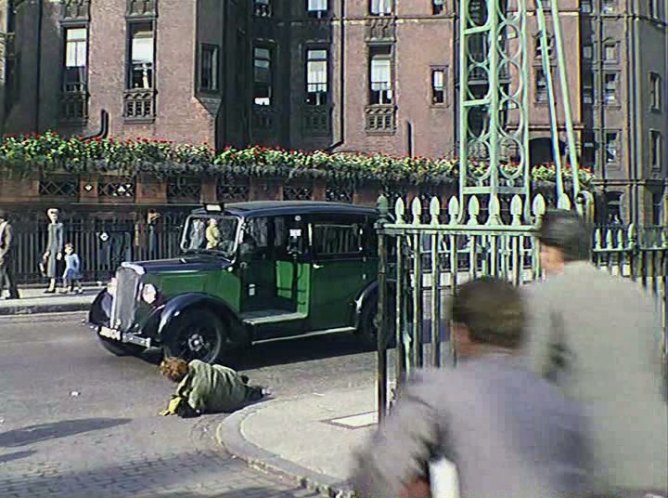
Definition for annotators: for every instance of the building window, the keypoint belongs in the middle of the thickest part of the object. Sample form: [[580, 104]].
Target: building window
[[316, 77], [588, 52], [262, 8], [588, 149], [438, 86], [655, 91], [76, 51], [610, 51], [317, 8], [541, 86], [609, 6], [437, 7], [380, 7], [380, 76], [657, 209], [654, 8], [262, 91], [142, 56], [208, 70], [539, 47], [611, 147], [585, 6], [655, 146], [610, 88], [587, 90]]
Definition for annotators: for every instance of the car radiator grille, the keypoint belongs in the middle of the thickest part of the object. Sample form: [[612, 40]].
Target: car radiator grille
[[125, 299]]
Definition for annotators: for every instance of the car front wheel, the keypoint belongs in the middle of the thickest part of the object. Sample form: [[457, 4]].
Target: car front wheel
[[198, 334], [368, 328]]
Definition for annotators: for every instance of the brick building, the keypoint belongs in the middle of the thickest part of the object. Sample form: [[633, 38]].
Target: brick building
[[355, 75]]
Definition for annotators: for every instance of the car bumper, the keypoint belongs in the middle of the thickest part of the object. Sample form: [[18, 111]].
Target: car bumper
[[123, 337]]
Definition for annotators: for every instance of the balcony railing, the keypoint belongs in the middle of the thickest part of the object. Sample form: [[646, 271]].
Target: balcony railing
[[74, 104], [381, 29], [139, 104], [76, 9], [380, 118], [141, 7], [316, 120]]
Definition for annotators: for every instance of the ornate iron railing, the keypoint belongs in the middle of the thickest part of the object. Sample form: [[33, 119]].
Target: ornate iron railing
[[430, 247]]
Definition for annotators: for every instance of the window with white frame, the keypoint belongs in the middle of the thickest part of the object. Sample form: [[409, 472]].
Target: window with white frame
[[380, 76], [655, 148], [541, 86], [316, 77], [654, 9], [609, 6], [76, 60], [262, 88], [610, 88], [438, 85], [611, 146], [588, 52], [317, 8], [587, 88], [655, 91], [610, 52], [381, 7], [142, 56], [208, 71], [585, 6]]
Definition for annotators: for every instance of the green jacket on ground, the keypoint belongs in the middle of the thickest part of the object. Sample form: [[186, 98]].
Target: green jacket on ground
[[212, 388]]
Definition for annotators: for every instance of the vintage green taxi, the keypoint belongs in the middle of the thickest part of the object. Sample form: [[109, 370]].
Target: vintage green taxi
[[248, 272]]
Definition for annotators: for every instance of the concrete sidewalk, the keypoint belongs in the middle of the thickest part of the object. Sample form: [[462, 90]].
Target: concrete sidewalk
[[309, 438], [35, 301]]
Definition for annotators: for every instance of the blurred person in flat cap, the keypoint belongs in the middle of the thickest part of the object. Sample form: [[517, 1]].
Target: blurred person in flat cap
[[598, 337]]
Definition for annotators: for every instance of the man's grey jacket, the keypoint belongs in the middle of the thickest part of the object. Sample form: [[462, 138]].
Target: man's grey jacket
[[509, 433], [598, 337]]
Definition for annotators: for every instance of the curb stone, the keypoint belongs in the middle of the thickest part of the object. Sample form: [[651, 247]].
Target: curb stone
[[230, 436], [43, 308]]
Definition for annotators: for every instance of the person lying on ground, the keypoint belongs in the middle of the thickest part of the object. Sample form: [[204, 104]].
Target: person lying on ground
[[205, 388], [508, 432]]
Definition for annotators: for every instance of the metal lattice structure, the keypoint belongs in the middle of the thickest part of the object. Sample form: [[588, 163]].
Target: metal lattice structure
[[494, 98]]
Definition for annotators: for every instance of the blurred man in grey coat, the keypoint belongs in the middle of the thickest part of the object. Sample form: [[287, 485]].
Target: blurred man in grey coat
[[7, 244], [509, 433], [598, 337]]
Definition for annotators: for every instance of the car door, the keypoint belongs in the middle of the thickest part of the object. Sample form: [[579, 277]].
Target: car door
[[342, 266]]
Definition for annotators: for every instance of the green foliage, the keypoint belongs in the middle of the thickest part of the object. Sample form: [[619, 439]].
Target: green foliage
[[50, 152]]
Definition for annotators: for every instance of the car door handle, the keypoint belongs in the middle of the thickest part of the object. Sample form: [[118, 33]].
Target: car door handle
[[317, 267]]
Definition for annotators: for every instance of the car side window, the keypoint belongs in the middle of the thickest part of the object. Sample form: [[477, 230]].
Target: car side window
[[255, 241], [339, 237]]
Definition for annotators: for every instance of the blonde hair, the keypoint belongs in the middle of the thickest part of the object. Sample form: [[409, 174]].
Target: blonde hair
[[175, 369]]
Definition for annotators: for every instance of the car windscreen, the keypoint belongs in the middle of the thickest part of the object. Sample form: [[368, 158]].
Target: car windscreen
[[211, 233]]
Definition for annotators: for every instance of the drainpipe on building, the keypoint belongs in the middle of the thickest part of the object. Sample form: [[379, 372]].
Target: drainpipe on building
[[342, 77], [637, 125], [409, 138], [38, 70]]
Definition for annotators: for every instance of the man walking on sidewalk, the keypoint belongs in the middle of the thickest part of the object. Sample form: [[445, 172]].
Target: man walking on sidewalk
[[598, 336], [508, 432], [6, 250]]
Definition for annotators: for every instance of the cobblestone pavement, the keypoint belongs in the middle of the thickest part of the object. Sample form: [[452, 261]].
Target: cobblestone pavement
[[76, 422]]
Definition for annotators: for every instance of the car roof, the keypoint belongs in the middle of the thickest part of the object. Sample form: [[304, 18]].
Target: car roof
[[272, 208]]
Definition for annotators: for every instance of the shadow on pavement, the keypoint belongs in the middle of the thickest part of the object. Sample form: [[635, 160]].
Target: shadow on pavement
[[16, 456], [45, 432]]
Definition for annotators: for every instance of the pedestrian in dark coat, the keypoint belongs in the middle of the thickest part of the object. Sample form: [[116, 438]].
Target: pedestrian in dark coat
[[6, 252], [54, 248], [507, 432], [598, 337]]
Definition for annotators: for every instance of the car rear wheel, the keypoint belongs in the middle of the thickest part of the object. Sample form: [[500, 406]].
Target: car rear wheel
[[368, 329], [198, 334]]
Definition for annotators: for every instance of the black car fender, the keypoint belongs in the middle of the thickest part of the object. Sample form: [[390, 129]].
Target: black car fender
[[370, 292], [100, 310], [179, 304]]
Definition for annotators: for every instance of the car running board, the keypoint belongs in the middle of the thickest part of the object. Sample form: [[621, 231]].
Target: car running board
[[264, 317]]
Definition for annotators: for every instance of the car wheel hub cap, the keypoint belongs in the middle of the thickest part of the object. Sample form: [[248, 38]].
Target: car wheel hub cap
[[196, 342]]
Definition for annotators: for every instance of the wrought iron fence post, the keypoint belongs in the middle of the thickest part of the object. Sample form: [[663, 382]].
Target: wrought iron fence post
[[381, 318]]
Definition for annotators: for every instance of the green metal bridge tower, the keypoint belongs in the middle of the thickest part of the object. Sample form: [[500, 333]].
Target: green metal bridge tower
[[494, 98]]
